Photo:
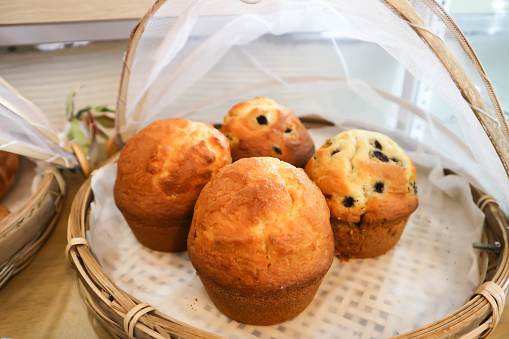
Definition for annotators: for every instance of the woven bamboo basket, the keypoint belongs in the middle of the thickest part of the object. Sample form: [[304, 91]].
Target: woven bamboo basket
[[26, 229], [127, 317], [30, 227]]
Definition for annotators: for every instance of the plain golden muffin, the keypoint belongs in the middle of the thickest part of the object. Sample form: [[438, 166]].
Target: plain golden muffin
[[8, 168], [261, 241], [370, 186], [263, 128], [160, 173]]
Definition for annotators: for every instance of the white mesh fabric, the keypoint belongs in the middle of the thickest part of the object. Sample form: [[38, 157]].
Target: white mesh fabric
[[322, 57], [26, 131]]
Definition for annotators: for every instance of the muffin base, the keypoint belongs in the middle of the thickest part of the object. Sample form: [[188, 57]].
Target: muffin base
[[261, 309], [164, 239], [366, 240]]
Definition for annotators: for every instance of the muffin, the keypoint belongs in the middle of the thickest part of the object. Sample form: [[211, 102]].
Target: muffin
[[160, 173], [4, 212], [370, 186], [8, 168], [262, 128], [261, 240]]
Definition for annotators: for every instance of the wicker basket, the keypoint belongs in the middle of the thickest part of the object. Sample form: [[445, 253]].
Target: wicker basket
[[29, 227], [125, 316], [24, 231]]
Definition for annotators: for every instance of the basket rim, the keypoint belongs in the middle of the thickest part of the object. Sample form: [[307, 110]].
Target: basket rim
[[48, 176], [472, 317], [52, 188]]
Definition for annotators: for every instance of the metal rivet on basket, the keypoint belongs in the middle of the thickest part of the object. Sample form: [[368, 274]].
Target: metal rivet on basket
[[495, 247]]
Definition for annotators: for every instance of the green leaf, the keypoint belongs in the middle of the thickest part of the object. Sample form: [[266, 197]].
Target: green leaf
[[80, 112], [105, 121], [69, 103], [104, 109], [76, 135], [102, 134]]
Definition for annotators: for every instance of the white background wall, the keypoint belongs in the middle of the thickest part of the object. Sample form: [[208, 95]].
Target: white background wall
[[479, 6]]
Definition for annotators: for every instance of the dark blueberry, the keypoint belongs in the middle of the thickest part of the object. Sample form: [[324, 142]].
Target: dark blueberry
[[277, 149], [348, 202], [314, 157], [328, 196], [380, 156], [378, 145], [414, 186], [379, 187], [334, 152], [262, 120], [288, 130]]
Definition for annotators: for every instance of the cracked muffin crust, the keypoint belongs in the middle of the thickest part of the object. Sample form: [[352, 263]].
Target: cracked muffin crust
[[261, 240], [263, 128], [160, 173], [370, 186]]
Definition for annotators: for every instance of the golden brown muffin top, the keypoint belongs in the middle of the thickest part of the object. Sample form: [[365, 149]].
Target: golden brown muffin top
[[162, 169], [364, 175], [263, 128], [8, 168], [261, 225]]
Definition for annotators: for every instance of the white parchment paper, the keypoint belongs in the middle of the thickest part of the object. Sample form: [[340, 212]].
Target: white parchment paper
[[430, 273]]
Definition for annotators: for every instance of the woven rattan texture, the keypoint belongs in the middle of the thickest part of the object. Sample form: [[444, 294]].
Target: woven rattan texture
[[430, 273]]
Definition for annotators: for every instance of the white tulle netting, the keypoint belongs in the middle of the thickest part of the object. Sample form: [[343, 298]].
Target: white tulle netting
[[25, 130], [338, 59]]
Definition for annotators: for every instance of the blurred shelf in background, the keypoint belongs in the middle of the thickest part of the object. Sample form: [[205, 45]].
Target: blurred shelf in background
[[28, 22]]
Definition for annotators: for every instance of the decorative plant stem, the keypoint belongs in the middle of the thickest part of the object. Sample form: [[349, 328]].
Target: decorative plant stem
[[88, 124]]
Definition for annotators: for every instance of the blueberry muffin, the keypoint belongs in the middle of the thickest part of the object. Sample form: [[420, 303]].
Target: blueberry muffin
[[160, 173], [370, 186], [261, 240], [263, 128]]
